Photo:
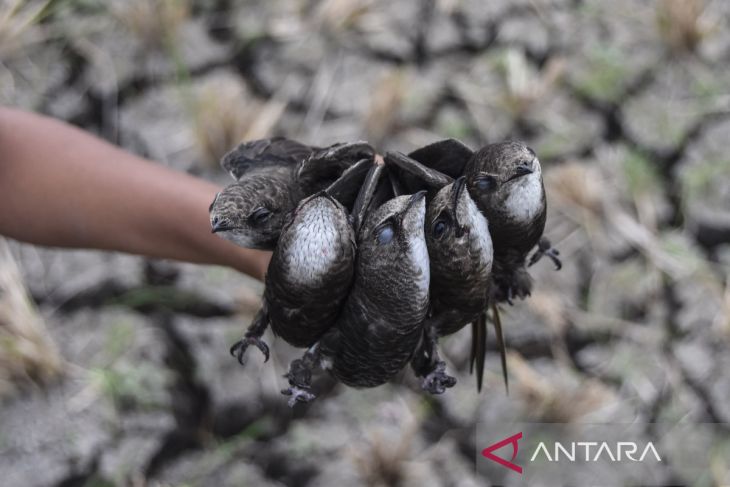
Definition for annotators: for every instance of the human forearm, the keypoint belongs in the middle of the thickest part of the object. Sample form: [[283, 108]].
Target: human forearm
[[60, 186]]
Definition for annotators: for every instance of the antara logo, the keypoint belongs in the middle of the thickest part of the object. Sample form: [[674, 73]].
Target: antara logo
[[580, 451], [512, 440]]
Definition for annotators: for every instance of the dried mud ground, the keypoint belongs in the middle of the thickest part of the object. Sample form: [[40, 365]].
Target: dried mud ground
[[626, 103]]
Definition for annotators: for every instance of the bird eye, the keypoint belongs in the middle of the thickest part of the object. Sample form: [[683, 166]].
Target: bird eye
[[439, 228], [259, 215], [385, 234], [486, 183]]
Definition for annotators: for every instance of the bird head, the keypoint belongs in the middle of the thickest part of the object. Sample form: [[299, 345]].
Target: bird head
[[250, 213]]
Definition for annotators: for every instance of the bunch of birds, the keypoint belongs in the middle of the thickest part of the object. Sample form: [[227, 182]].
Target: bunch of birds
[[377, 257]]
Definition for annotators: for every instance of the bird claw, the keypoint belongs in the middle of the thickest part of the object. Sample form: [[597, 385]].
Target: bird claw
[[299, 374], [553, 255], [297, 394], [544, 248], [239, 348], [438, 380]]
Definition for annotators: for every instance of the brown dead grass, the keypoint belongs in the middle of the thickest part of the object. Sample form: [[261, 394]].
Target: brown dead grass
[[27, 354], [549, 400], [382, 461], [19, 24], [385, 104], [681, 25], [224, 114], [154, 22]]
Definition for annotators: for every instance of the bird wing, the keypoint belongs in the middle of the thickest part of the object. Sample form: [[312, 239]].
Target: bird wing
[[346, 188], [478, 348], [323, 166], [274, 152], [413, 175], [501, 344], [448, 156]]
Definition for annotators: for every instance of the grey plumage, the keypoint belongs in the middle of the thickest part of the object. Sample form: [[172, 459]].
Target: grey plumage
[[366, 306], [460, 250], [308, 278], [311, 268], [311, 271], [505, 180], [382, 318], [272, 176]]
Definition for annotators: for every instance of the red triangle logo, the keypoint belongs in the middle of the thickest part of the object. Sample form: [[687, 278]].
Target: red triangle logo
[[512, 440]]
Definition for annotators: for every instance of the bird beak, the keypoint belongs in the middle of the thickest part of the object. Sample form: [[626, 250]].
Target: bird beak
[[456, 190], [415, 198], [219, 226], [521, 170], [329, 197]]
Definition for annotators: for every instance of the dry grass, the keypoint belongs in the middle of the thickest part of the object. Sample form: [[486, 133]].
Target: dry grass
[[382, 462], [154, 22], [19, 24], [681, 24], [27, 354], [339, 15], [525, 87], [385, 105], [223, 114], [579, 191], [548, 399]]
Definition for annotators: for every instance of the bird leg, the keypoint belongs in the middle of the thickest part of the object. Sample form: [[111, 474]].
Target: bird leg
[[515, 284], [428, 364], [253, 337], [545, 248], [300, 376]]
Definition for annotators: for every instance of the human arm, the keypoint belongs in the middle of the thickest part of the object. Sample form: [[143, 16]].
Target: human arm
[[60, 186]]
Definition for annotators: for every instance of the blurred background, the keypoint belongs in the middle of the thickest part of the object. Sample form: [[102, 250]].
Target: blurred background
[[114, 369]]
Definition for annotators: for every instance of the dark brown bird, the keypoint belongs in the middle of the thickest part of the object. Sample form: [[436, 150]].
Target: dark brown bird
[[505, 180], [308, 278], [272, 176], [382, 320], [460, 250]]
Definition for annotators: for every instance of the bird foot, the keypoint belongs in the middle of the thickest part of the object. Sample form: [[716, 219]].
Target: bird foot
[[300, 374], [239, 348], [297, 394], [545, 249], [438, 380], [516, 291]]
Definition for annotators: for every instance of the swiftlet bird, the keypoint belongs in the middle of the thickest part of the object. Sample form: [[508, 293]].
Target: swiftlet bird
[[505, 181], [311, 268], [382, 319], [460, 251], [272, 176]]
